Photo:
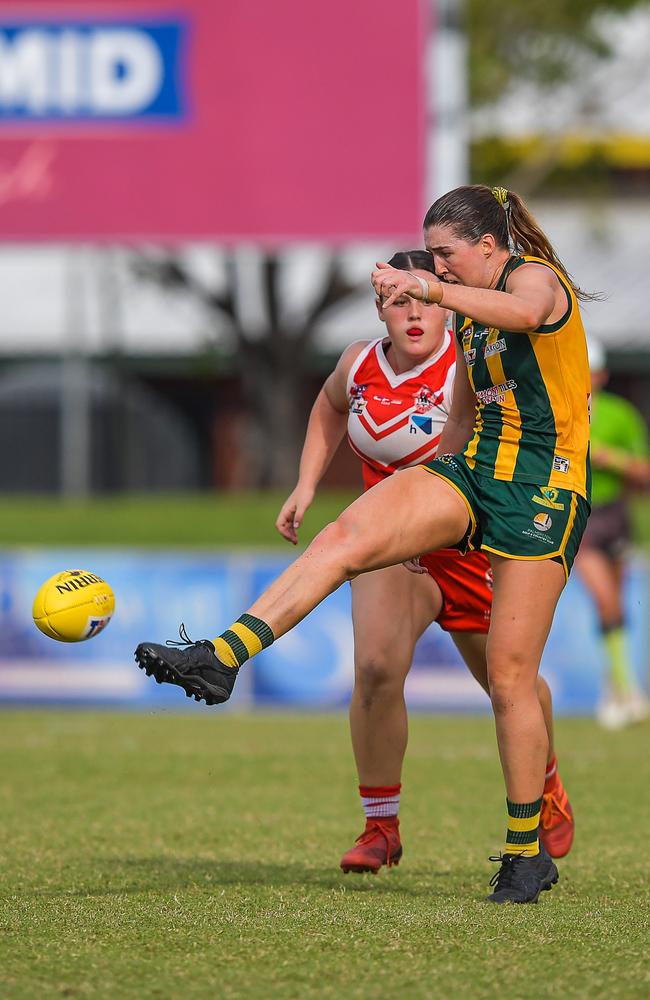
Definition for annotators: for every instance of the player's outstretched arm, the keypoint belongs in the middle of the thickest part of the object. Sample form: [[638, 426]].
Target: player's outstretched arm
[[325, 430], [534, 296]]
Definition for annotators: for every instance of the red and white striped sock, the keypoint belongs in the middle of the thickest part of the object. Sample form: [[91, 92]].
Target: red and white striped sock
[[551, 776], [380, 800]]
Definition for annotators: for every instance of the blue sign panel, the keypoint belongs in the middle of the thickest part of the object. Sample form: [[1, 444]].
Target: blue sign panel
[[92, 71], [311, 667]]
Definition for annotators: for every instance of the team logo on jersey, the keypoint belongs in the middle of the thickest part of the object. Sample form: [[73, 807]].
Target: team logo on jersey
[[357, 401], [543, 522], [470, 356], [560, 463], [548, 498], [495, 347], [496, 393], [420, 422], [425, 399]]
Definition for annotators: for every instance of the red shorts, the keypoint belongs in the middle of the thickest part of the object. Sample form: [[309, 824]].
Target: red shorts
[[465, 581], [466, 586]]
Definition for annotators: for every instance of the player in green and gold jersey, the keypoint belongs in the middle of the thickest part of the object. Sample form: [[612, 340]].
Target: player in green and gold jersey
[[513, 479], [620, 454]]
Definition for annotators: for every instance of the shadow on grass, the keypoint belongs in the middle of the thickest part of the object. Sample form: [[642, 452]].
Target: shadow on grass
[[127, 876]]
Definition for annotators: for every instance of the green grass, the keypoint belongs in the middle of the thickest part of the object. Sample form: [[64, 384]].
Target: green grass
[[196, 856], [205, 520], [187, 519]]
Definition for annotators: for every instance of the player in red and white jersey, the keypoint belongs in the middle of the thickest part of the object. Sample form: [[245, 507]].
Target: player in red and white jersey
[[393, 395]]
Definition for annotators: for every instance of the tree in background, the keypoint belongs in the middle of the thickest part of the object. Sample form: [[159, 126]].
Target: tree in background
[[270, 340], [547, 44], [541, 41]]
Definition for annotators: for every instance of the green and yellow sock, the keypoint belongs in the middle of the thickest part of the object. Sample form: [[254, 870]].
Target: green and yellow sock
[[620, 670], [523, 824], [247, 637]]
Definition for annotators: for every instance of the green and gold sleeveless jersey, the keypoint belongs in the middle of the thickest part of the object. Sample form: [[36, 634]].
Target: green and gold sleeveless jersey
[[532, 397]]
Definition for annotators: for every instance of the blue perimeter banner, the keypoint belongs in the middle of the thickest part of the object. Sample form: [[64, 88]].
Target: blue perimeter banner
[[311, 668]]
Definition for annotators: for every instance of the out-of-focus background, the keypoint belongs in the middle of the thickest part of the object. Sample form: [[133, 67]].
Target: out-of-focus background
[[192, 196]]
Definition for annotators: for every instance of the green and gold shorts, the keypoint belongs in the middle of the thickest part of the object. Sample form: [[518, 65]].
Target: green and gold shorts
[[513, 519]]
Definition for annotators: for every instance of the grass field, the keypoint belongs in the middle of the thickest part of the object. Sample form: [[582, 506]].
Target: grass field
[[186, 520], [166, 856]]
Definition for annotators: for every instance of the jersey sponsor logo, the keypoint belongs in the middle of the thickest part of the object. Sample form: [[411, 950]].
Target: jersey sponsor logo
[[560, 463], [73, 70], [386, 401], [496, 393], [548, 498], [543, 522], [470, 356], [420, 422], [495, 347], [357, 401]]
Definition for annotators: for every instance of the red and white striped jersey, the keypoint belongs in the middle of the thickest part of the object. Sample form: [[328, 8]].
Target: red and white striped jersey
[[395, 421]]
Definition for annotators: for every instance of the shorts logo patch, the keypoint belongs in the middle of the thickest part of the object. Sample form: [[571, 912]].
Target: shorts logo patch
[[560, 463], [447, 460], [543, 522], [548, 498], [495, 347]]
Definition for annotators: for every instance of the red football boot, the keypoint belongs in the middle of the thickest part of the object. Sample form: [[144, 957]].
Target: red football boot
[[378, 845], [556, 826]]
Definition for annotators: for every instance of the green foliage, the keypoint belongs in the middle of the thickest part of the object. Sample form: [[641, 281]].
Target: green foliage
[[538, 40], [197, 856]]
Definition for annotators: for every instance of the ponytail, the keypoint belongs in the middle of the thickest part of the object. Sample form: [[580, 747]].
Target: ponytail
[[532, 241]]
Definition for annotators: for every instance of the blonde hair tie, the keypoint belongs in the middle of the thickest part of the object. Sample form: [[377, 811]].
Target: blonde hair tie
[[501, 195]]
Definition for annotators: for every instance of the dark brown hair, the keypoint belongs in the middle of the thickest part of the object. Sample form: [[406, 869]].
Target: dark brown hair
[[474, 210], [413, 260]]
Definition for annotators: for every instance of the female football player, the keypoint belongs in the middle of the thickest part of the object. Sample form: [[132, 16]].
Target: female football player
[[512, 478], [393, 395]]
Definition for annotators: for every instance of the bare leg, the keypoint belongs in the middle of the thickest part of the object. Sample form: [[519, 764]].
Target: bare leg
[[525, 597], [472, 648], [390, 610], [366, 536], [603, 579]]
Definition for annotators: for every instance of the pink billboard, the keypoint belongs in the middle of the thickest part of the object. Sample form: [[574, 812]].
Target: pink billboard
[[224, 119]]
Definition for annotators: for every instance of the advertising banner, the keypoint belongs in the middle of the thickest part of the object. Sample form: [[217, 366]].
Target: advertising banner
[[310, 668], [165, 119]]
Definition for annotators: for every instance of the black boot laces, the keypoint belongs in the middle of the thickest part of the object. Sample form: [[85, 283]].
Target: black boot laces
[[186, 641], [506, 877]]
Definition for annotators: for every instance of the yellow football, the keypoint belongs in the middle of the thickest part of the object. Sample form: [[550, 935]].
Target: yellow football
[[73, 606]]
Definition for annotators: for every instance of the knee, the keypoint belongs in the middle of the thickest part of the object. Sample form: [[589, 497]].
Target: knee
[[349, 542], [376, 678], [510, 678]]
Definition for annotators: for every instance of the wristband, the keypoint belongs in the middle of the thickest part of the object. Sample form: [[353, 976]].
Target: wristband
[[424, 286]]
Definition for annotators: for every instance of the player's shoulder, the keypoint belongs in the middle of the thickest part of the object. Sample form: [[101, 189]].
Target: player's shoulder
[[355, 352]]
